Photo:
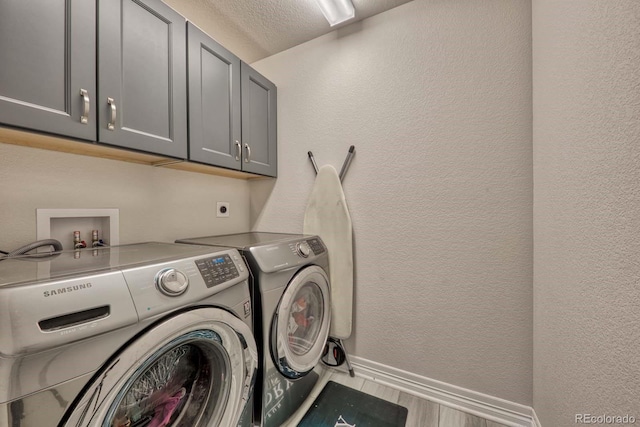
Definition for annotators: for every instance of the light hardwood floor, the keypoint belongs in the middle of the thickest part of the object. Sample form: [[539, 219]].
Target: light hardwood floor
[[422, 413]]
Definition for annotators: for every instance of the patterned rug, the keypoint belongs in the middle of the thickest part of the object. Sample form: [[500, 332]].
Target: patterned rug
[[341, 406]]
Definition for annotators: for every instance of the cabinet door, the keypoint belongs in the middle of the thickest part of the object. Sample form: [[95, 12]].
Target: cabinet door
[[214, 101], [47, 56], [259, 121], [142, 77]]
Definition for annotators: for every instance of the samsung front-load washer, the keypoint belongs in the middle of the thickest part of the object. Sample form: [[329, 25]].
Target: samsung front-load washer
[[151, 335], [291, 300]]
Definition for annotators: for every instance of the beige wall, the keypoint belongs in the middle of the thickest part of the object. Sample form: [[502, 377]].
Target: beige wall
[[155, 203], [436, 97], [586, 98]]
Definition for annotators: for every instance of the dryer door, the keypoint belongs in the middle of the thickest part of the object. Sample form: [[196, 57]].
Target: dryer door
[[300, 326], [196, 368]]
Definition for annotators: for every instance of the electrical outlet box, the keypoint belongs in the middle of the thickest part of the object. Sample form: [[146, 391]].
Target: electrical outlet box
[[222, 209]]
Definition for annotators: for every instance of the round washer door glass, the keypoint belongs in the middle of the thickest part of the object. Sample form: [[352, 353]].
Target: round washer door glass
[[181, 383], [194, 369], [301, 325]]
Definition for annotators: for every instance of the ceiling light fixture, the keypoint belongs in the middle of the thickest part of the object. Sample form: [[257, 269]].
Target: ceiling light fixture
[[336, 11]]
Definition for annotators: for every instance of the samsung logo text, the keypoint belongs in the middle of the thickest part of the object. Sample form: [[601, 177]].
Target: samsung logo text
[[66, 289]]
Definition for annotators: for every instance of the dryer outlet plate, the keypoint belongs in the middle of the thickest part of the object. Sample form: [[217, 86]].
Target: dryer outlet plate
[[222, 209]]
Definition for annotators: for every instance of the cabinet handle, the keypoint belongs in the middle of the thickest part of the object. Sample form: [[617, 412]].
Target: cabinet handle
[[238, 150], [247, 158], [86, 106], [112, 120]]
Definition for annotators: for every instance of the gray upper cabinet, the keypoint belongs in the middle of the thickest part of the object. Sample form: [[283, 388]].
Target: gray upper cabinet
[[47, 66], [142, 82], [232, 109], [259, 122], [116, 72], [214, 102]]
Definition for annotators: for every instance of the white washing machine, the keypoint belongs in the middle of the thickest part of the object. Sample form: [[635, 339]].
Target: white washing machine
[[151, 335], [291, 300]]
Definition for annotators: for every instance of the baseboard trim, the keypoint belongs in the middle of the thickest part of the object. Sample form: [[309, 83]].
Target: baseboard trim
[[492, 408], [536, 421]]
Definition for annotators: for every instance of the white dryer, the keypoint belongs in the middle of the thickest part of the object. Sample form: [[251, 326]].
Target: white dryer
[[292, 314], [149, 335]]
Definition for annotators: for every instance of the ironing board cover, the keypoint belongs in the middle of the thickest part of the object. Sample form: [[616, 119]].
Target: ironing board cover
[[327, 216]]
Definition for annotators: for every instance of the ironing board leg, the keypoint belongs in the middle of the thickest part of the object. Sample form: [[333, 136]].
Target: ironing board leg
[[313, 161], [346, 359]]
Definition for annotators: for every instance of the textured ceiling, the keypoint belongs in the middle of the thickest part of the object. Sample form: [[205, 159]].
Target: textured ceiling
[[255, 29]]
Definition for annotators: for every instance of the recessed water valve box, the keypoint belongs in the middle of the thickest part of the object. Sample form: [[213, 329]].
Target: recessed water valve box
[[60, 224]]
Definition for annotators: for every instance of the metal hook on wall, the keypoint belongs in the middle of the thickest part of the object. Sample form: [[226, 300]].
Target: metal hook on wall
[[313, 162], [345, 165]]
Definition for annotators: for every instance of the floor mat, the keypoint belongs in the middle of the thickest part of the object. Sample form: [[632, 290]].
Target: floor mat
[[341, 406]]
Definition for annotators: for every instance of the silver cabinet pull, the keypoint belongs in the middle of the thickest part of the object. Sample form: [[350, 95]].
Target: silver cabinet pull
[[112, 120], [238, 150], [86, 106], [247, 158]]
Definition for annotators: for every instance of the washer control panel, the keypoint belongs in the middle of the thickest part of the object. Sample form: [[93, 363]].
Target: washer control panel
[[159, 288], [316, 246], [306, 248], [296, 252], [217, 270]]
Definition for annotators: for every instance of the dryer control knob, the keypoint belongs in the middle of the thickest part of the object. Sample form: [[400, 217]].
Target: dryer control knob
[[303, 249], [172, 282]]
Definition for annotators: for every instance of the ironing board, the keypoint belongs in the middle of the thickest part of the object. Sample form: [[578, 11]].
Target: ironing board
[[327, 216]]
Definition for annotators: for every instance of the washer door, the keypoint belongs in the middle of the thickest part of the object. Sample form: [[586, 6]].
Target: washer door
[[193, 369], [300, 326]]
